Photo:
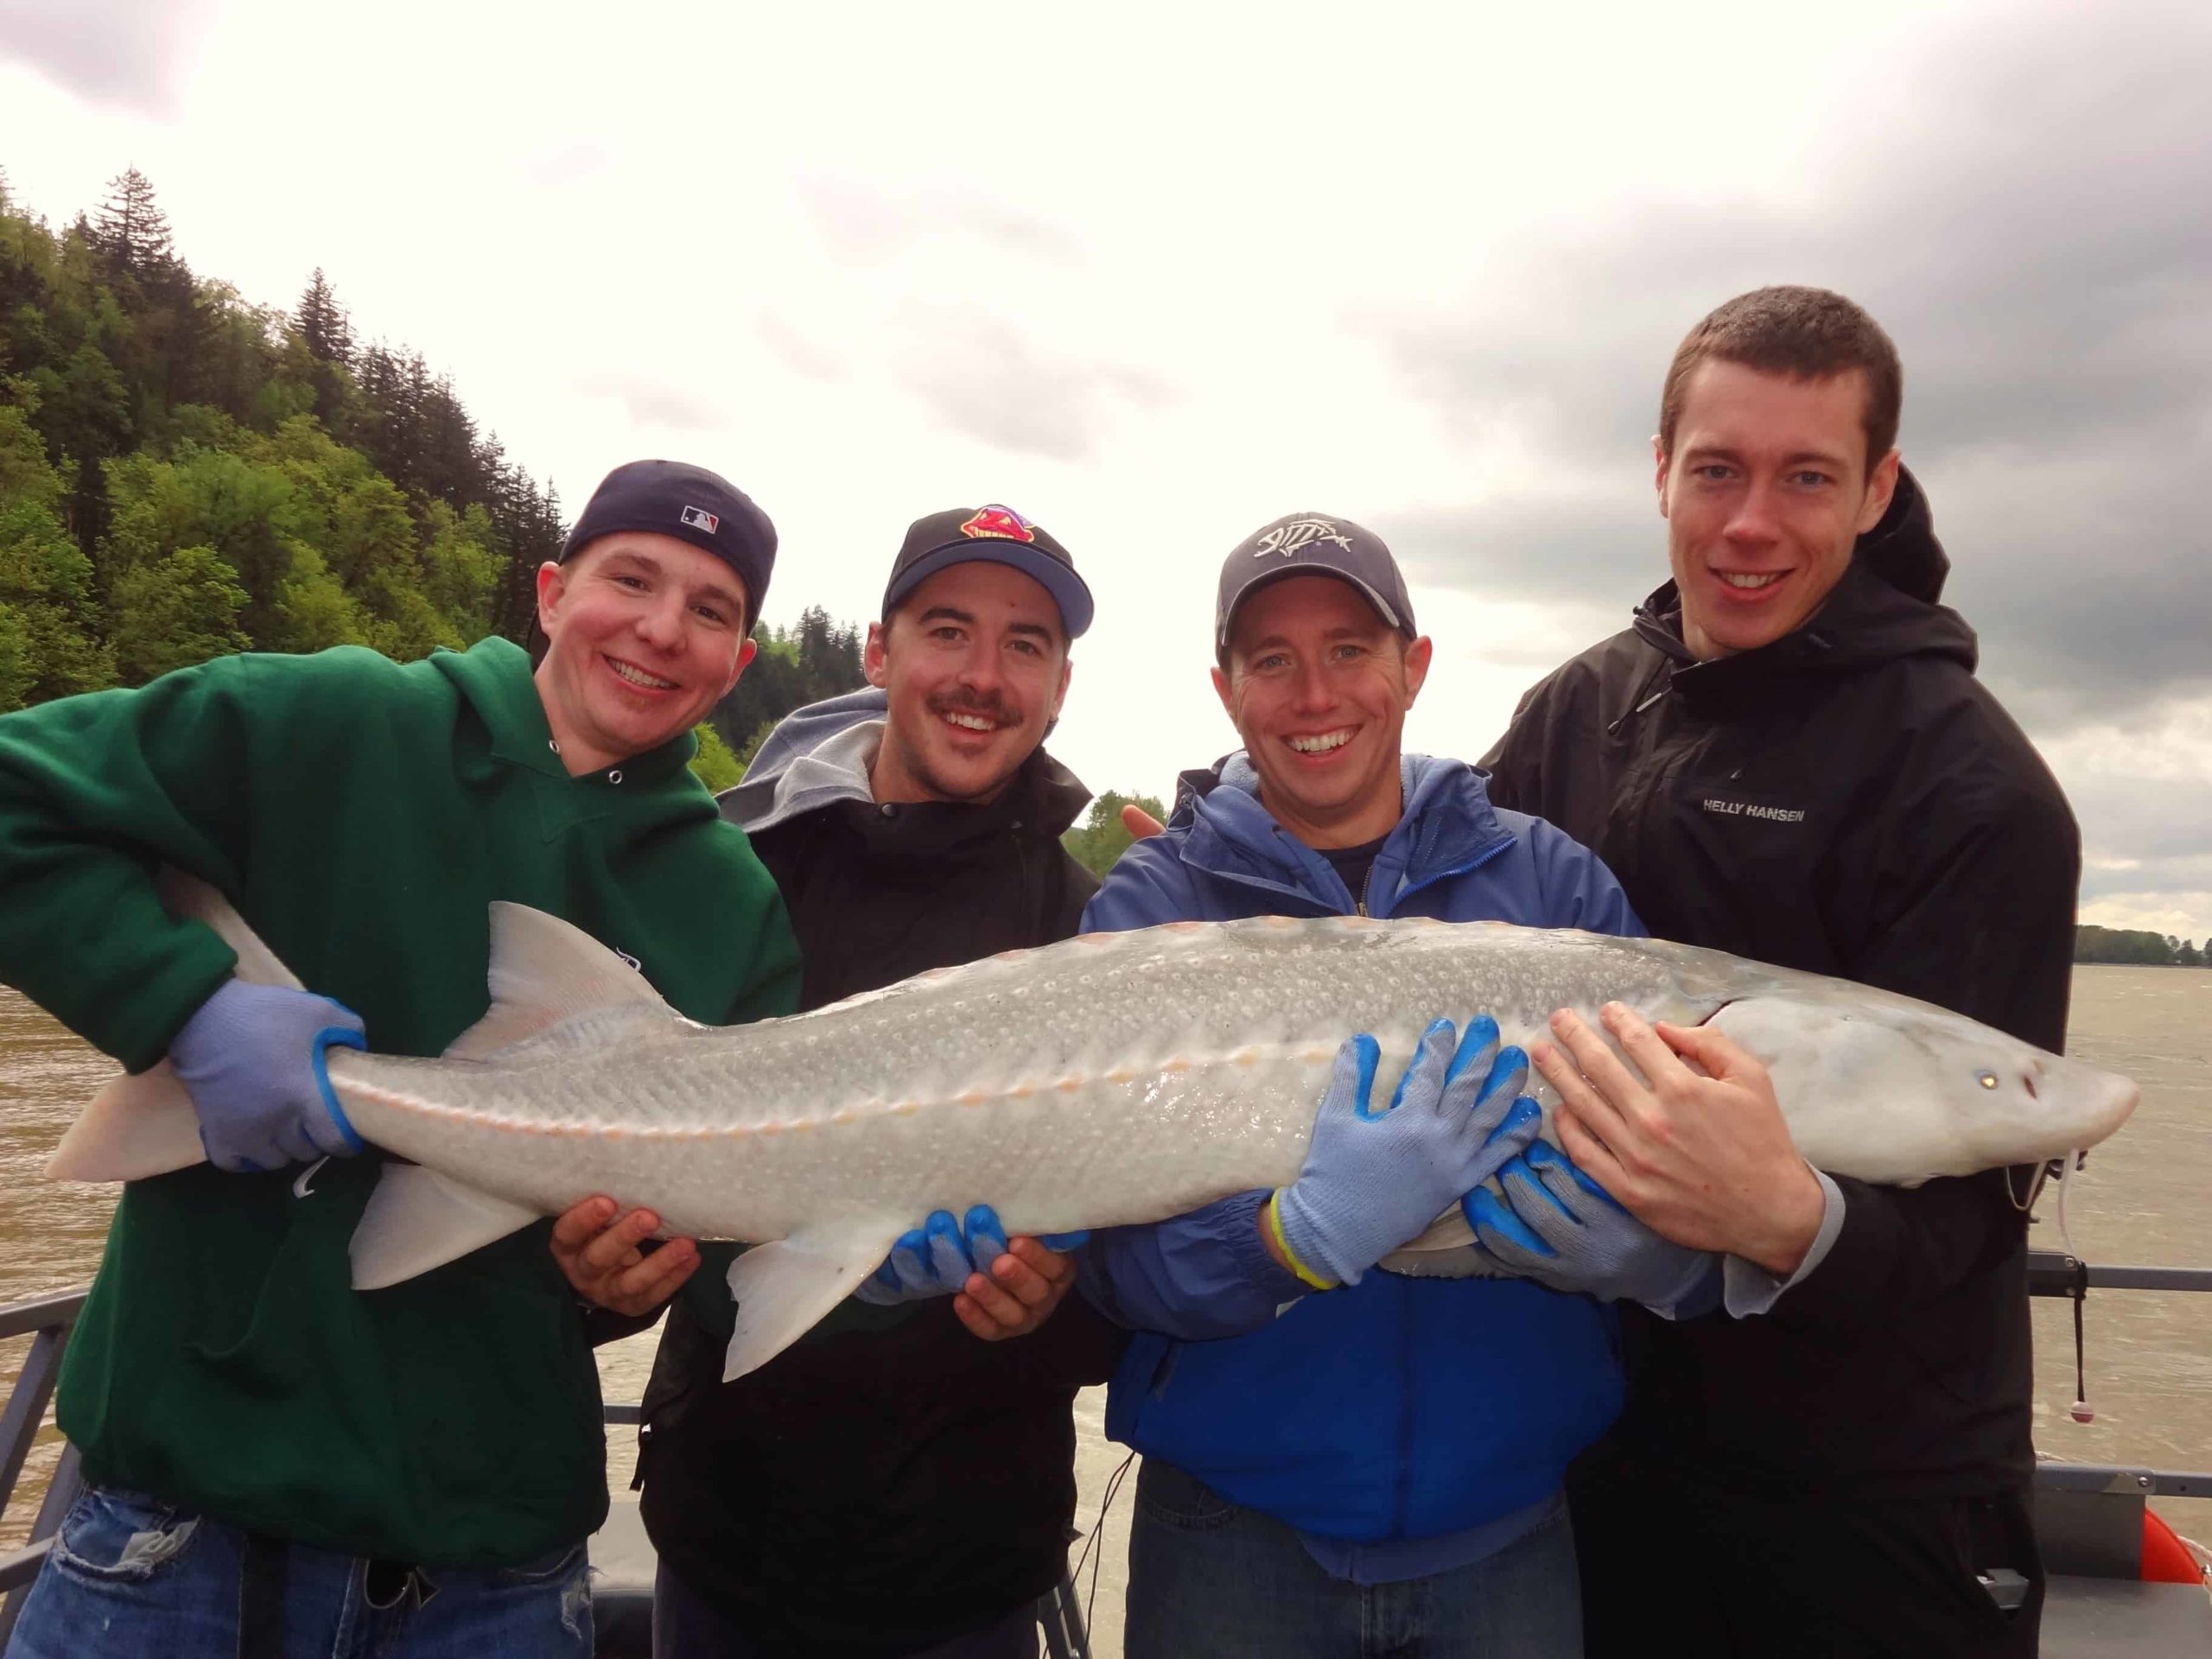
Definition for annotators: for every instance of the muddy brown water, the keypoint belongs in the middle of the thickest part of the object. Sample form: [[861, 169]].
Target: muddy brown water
[[2143, 1199]]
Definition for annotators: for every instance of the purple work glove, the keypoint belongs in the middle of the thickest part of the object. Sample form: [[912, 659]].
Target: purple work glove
[[252, 1059]]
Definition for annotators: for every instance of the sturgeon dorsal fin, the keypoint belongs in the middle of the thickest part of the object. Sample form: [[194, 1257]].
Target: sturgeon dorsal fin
[[545, 971], [144, 1124]]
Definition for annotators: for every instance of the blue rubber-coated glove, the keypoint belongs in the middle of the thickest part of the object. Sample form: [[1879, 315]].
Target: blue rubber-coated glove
[[1557, 1226], [936, 1258], [252, 1059], [1375, 1179]]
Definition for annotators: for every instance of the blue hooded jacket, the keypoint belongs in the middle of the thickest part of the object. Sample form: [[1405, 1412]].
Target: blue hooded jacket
[[1395, 1409]]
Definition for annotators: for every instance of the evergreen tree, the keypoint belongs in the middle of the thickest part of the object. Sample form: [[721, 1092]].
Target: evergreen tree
[[322, 322], [132, 230]]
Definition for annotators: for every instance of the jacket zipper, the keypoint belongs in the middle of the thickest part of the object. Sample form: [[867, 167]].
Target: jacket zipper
[[1474, 863]]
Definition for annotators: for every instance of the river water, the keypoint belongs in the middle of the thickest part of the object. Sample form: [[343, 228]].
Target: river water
[[2143, 1200]]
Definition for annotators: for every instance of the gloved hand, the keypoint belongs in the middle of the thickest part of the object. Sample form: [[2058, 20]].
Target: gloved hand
[[252, 1059], [1375, 1179], [936, 1258], [1560, 1228]]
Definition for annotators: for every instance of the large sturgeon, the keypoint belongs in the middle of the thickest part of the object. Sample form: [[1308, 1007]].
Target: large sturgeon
[[1112, 1078]]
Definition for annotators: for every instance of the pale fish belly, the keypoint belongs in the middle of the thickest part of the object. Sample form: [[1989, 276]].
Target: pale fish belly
[[1116, 1079]]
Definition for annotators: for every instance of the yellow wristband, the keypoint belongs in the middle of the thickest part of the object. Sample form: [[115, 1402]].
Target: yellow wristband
[[1305, 1275]]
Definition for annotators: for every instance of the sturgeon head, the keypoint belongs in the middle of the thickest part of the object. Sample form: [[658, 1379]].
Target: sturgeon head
[[1898, 1091]]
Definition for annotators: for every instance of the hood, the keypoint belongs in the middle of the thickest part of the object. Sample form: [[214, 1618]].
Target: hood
[[1884, 607], [494, 676], [1447, 820], [816, 755], [820, 756]]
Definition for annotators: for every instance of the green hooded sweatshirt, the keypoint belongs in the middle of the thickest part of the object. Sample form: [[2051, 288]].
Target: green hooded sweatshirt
[[362, 814]]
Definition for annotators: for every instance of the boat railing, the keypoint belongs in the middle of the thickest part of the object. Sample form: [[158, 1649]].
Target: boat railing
[[47, 1320]]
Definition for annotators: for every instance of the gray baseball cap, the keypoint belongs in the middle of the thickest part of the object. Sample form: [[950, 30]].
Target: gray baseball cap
[[1313, 544]]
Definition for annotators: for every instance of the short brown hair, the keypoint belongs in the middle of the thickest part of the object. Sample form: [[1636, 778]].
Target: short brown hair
[[1808, 333]]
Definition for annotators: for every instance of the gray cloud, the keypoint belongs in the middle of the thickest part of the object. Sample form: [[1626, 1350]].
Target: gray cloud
[[2045, 276], [131, 53], [654, 403], [870, 226], [982, 376]]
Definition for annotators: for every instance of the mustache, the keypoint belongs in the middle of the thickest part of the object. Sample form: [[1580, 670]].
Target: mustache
[[991, 709]]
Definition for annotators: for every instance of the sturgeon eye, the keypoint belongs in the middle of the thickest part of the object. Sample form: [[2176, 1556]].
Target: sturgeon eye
[[1988, 1079]]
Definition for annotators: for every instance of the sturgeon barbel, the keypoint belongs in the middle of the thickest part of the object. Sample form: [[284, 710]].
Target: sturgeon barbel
[[1108, 1080]]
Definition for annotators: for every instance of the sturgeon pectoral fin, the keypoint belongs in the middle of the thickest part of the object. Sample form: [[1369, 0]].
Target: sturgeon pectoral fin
[[545, 971], [135, 1128], [783, 1289], [418, 1220]]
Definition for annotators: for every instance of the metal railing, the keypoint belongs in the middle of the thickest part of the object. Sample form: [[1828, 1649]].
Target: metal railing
[[47, 1321]]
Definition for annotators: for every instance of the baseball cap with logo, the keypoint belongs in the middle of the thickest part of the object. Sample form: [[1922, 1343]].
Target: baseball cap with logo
[[691, 503], [989, 535], [1309, 545]]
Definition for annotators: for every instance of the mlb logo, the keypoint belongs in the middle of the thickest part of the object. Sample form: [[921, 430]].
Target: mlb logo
[[700, 518]]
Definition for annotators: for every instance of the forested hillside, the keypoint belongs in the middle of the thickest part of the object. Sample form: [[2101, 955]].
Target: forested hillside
[[184, 472]]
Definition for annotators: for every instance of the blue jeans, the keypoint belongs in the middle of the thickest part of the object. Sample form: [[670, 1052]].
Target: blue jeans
[[1207, 1577], [131, 1576]]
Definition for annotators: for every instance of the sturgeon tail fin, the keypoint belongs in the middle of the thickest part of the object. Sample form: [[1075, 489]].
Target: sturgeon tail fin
[[144, 1125]]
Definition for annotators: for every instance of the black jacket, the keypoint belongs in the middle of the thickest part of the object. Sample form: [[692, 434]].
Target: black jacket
[[890, 1480], [1848, 800]]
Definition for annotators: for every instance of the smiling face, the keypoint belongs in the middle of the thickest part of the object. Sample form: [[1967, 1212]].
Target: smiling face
[[1318, 685], [1765, 492], [976, 665], [644, 634]]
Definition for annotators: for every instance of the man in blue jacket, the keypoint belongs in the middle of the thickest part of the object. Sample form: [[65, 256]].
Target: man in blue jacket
[[1339, 1462]]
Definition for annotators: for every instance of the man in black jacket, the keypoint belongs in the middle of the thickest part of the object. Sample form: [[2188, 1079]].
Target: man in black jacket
[[892, 1484], [1788, 757]]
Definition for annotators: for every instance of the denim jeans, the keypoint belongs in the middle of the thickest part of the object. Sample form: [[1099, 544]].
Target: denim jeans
[[1207, 1577], [130, 1577]]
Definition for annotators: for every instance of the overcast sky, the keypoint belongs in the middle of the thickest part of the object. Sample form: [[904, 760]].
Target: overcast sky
[[1153, 276]]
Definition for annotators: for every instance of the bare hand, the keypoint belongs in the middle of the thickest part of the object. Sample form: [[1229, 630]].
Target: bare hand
[[1703, 1159], [597, 1246], [1018, 1293], [1141, 825]]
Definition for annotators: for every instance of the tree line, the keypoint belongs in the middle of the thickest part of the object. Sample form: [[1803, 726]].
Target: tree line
[[2137, 945]]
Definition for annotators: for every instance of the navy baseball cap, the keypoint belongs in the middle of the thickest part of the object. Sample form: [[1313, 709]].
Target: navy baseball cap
[[989, 535], [1309, 545], [691, 503]]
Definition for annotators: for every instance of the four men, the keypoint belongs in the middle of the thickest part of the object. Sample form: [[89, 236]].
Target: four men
[[1787, 757]]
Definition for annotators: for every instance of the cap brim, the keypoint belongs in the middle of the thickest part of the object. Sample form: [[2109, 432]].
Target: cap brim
[[1384, 609], [1066, 587]]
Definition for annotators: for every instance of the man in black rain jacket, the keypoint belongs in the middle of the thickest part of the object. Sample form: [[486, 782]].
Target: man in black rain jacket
[[892, 1484], [1788, 757]]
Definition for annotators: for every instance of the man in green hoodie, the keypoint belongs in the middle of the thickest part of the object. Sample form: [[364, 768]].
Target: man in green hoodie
[[276, 1463]]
